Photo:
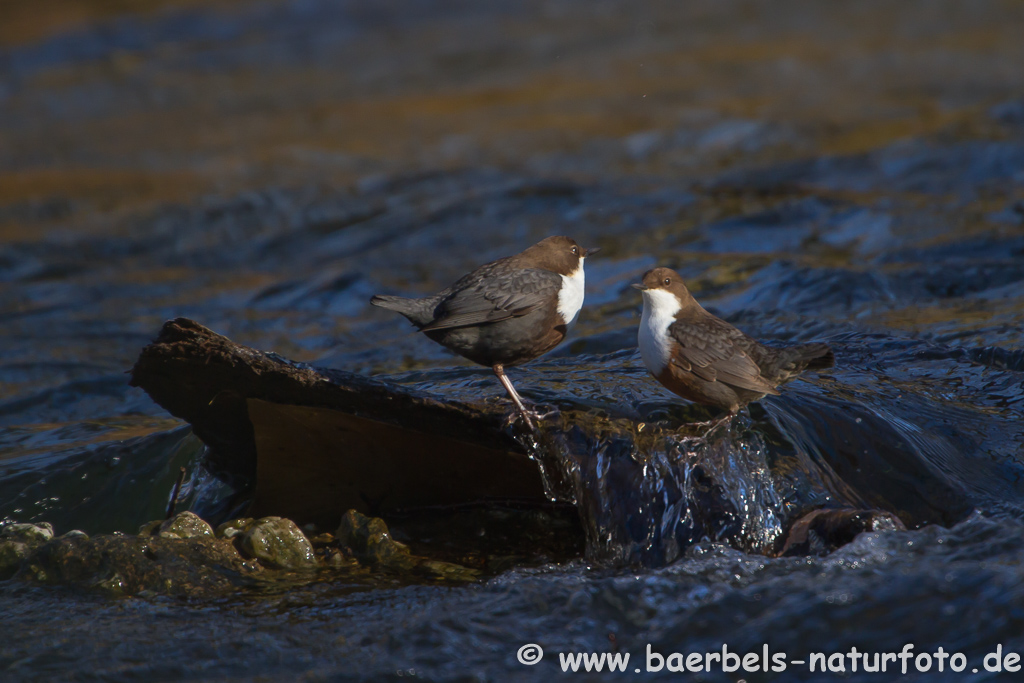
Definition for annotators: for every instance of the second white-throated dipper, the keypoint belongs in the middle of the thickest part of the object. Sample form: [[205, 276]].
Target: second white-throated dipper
[[506, 312], [702, 358]]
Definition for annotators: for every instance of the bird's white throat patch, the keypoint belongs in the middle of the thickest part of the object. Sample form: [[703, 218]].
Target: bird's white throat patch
[[570, 296], [660, 308]]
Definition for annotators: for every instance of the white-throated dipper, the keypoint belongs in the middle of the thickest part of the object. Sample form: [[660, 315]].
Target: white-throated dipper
[[506, 312], [702, 358]]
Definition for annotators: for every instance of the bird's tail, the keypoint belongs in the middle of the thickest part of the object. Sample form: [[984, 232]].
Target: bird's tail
[[816, 356], [418, 311]]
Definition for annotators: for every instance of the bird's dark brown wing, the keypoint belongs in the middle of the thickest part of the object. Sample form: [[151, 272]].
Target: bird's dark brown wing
[[490, 297], [714, 350]]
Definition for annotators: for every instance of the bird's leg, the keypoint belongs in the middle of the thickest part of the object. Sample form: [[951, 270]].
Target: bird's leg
[[499, 370]]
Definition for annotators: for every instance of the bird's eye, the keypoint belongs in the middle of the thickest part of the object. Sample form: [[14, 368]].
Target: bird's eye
[[576, 250], [666, 282]]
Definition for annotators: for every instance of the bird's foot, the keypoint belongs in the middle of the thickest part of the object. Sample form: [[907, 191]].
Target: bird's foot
[[530, 417], [523, 415], [543, 416], [712, 426], [710, 423]]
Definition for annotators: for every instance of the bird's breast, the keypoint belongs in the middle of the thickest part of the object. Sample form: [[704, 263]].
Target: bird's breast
[[653, 338], [570, 296]]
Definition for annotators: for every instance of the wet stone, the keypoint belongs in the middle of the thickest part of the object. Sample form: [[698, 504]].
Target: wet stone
[[130, 565], [17, 541], [28, 533], [11, 554], [278, 543], [234, 527], [338, 559], [371, 542], [150, 528], [185, 525], [323, 539], [182, 525]]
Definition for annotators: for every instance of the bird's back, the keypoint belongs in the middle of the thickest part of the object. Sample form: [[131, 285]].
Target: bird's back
[[777, 364]]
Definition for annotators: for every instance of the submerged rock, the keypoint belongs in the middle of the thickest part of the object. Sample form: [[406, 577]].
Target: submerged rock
[[279, 543], [447, 571], [822, 531]]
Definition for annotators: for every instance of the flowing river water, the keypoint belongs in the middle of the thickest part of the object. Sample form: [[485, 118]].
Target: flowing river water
[[849, 172]]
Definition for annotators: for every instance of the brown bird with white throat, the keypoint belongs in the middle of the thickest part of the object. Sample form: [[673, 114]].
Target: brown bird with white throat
[[706, 360], [506, 312]]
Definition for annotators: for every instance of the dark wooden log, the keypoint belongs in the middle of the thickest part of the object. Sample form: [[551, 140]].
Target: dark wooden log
[[313, 442]]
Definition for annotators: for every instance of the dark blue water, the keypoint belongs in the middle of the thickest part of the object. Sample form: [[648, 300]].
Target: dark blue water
[[265, 168]]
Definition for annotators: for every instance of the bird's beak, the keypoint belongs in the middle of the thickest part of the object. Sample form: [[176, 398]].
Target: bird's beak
[[591, 251], [637, 285]]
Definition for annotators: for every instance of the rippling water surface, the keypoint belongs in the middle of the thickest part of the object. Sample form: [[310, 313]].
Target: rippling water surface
[[851, 173]]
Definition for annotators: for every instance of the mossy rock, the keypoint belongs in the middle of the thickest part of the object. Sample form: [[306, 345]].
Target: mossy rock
[[185, 525], [279, 543], [182, 525], [17, 541], [371, 542], [12, 552], [128, 565], [31, 534]]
